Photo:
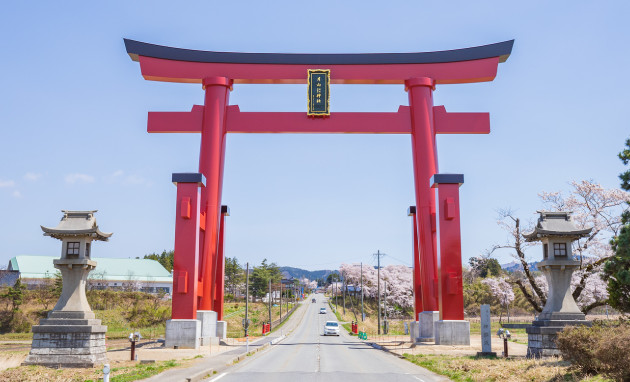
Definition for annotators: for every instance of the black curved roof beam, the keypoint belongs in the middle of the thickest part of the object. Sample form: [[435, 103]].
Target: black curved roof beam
[[137, 48]]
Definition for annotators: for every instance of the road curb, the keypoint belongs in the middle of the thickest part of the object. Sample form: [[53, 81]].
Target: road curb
[[276, 340], [210, 372], [206, 373], [383, 348]]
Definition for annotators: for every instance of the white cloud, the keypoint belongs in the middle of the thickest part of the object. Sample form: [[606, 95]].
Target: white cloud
[[119, 176], [6, 183], [74, 178], [136, 180], [17, 194], [32, 176]]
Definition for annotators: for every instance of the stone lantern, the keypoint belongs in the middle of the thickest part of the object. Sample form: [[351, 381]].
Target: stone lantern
[[556, 231], [71, 336]]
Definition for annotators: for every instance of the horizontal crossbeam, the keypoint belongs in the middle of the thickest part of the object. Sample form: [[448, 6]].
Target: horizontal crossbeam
[[337, 123], [176, 122], [158, 69], [460, 123]]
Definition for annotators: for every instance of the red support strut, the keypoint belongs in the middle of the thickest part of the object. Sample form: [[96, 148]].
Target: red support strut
[[219, 273], [186, 247], [451, 293], [417, 276]]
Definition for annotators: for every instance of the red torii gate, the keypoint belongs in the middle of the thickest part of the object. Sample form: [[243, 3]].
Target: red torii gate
[[198, 279]]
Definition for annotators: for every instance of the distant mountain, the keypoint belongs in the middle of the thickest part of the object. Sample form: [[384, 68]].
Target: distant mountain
[[301, 273], [516, 266]]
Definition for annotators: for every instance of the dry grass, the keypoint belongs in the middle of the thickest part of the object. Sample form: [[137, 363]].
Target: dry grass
[[499, 369], [258, 312], [121, 371]]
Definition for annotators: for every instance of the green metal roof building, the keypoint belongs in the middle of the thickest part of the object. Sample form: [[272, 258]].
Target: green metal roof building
[[149, 275]]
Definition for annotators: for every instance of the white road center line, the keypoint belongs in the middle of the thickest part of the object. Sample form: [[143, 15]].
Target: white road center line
[[218, 377]]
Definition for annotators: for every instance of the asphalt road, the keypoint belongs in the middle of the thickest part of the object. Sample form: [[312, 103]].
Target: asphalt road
[[307, 355]]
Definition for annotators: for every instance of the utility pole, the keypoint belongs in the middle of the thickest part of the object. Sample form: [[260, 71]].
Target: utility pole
[[362, 312], [246, 325], [281, 300], [344, 286], [378, 255], [269, 303], [336, 290]]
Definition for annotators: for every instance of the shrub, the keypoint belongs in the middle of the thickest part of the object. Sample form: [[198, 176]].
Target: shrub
[[602, 349]]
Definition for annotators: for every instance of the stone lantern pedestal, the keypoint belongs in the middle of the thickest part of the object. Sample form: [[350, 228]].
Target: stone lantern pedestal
[[71, 336], [556, 231], [560, 310]]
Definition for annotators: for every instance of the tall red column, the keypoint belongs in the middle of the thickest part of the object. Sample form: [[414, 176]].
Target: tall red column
[[211, 159], [219, 269], [417, 285], [186, 245], [451, 293], [424, 166]]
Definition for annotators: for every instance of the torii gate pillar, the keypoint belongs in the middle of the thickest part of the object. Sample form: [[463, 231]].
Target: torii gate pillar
[[451, 329], [424, 153], [211, 160]]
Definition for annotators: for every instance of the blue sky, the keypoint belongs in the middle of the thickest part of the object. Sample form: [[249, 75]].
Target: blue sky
[[73, 111]]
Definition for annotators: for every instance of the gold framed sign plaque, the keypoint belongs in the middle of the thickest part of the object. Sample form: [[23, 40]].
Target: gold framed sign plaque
[[318, 92]]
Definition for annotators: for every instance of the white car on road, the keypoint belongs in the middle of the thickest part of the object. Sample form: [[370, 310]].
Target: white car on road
[[331, 328], [322, 310]]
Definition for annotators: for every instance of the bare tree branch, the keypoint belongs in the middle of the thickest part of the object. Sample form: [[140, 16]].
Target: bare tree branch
[[527, 295], [595, 304]]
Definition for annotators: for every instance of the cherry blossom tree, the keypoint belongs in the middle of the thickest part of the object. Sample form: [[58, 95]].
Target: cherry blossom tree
[[502, 291], [396, 278], [592, 206]]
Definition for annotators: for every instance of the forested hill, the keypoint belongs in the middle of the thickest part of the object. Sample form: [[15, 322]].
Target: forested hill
[[301, 273]]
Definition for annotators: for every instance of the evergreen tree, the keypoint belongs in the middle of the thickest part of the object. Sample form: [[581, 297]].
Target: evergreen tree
[[57, 286], [484, 266], [617, 269], [165, 258], [234, 275], [333, 277], [259, 279], [15, 295]]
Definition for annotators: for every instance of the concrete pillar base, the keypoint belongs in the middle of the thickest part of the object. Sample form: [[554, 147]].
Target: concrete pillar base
[[452, 332], [427, 321], [222, 330], [183, 333], [208, 320], [414, 331]]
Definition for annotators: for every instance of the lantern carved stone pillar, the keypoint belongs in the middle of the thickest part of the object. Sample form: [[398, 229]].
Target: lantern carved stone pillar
[[557, 232], [71, 336]]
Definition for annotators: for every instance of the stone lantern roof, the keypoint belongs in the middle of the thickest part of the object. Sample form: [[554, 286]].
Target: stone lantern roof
[[558, 224], [77, 223]]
